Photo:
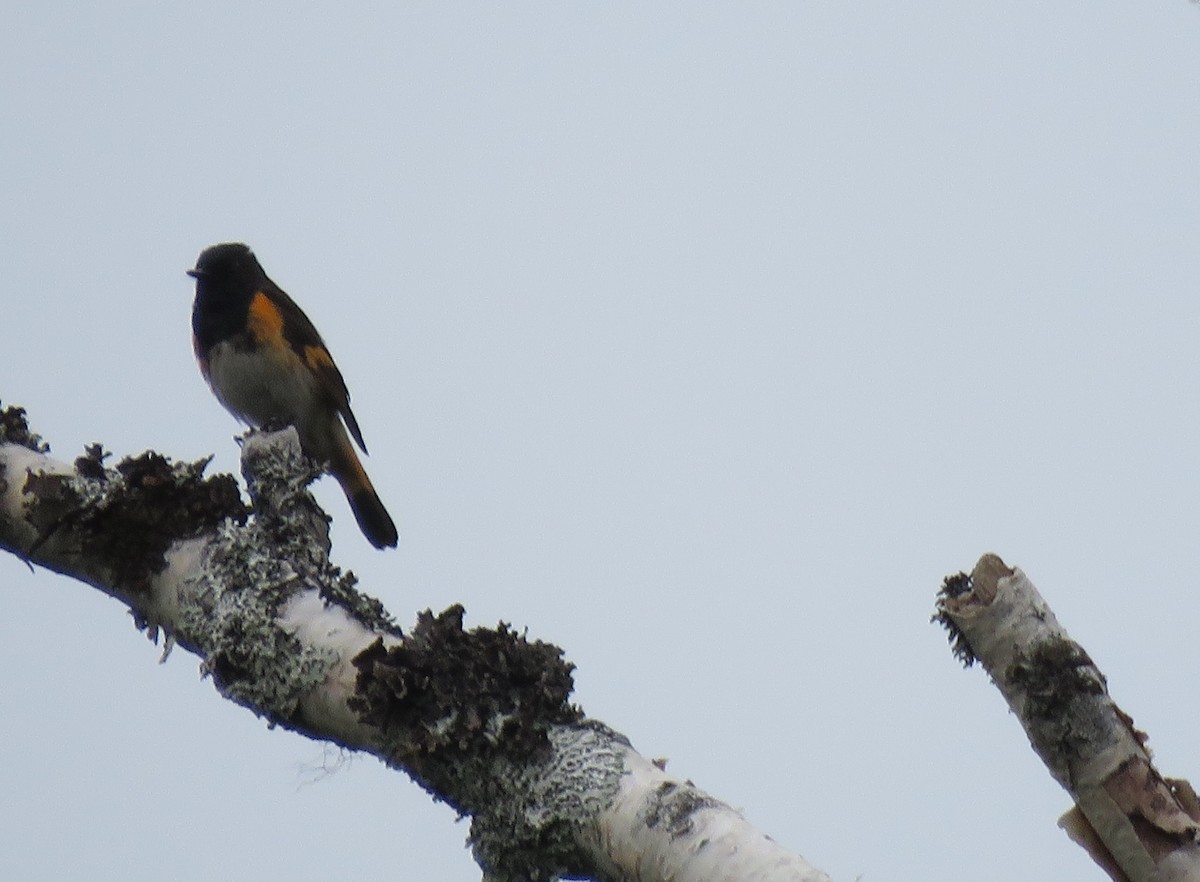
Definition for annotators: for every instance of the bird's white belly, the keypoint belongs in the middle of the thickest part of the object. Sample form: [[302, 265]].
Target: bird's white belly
[[261, 390]]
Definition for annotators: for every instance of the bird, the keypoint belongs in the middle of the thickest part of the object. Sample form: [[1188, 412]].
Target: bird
[[268, 366]]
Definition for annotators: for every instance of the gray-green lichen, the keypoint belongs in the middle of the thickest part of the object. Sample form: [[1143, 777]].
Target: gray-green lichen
[[277, 476], [538, 836], [231, 616]]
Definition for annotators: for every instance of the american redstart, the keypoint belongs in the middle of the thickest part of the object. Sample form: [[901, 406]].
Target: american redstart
[[269, 367]]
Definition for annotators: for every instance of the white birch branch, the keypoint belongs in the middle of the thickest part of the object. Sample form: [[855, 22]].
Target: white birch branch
[[1135, 824], [479, 718]]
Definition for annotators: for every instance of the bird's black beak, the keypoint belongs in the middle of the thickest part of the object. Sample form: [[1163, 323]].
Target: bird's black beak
[[195, 273]]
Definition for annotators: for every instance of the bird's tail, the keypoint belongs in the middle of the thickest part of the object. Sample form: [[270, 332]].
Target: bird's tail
[[372, 517]]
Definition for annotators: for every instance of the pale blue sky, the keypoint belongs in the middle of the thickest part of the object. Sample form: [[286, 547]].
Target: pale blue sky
[[700, 340]]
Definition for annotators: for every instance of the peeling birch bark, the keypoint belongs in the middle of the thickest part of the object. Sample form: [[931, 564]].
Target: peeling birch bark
[[479, 718], [1135, 824]]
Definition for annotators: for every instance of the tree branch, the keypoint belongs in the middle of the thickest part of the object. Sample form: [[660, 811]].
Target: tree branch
[[480, 718], [1134, 823]]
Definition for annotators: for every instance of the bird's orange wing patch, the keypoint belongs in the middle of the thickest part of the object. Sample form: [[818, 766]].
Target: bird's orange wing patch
[[318, 358]]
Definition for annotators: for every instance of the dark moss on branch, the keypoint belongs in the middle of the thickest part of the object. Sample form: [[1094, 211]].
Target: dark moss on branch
[[91, 464], [1054, 676], [126, 518], [954, 586], [14, 429], [446, 692]]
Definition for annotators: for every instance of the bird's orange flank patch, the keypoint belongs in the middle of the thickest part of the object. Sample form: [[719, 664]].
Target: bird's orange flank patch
[[265, 320]]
